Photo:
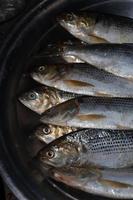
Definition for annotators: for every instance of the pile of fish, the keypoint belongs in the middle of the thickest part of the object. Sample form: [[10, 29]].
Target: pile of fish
[[85, 106]]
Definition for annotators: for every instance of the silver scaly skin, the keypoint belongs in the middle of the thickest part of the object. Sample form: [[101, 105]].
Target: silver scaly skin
[[83, 79], [92, 112], [116, 184], [114, 58], [90, 147], [98, 28]]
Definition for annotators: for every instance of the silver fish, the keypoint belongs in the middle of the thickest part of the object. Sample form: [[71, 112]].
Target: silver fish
[[114, 58], [98, 28], [48, 133], [42, 98], [92, 112], [83, 79], [93, 180], [90, 147]]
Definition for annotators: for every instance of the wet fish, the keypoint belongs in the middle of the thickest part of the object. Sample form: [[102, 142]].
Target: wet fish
[[98, 181], [90, 147], [97, 27], [83, 79], [53, 53], [47, 133], [42, 98], [114, 58], [92, 112]]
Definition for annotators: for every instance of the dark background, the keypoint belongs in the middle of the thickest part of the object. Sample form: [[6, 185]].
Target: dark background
[[10, 13]]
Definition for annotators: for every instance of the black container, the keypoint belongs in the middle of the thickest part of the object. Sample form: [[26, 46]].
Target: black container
[[32, 33]]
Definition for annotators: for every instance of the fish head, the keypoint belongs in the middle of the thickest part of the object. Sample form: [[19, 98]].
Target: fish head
[[37, 100], [77, 24], [61, 113], [48, 133], [59, 153], [46, 74]]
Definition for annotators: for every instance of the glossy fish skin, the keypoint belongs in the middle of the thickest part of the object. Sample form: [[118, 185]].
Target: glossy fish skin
[[48, 133], [90, 147], [84, 79], [42, 98], [98, 28], [114, 58], [94, 181], [92, 112], [53, 52]]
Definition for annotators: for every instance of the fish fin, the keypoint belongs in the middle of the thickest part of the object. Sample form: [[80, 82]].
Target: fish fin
[[75, 83], [129, 79], [114, 184], [91, 117], [63, 178], [102, 94], [96, 39]]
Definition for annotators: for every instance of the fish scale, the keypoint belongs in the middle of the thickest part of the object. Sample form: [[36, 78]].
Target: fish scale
[[105, 56], [93, 27], [91, 147], [106, 182], [92, 112], [83, 79]]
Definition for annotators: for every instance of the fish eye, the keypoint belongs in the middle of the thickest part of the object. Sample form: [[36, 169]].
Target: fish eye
[[32, 95], [46, 130], [70, 17], [41, 68], [50, 154]]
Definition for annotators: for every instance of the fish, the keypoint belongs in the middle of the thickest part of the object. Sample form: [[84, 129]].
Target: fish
[[97, 27], [90, 147], [92, 112], [53, 53], [83, 79], [41, 98], [97, 181], [114, 58], [48, 133]]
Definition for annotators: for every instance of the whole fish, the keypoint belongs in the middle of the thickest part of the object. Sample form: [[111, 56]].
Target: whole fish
[[90, 147], [92, 112], [97, 27], [48, 133], [83, 79], [114, 58], [42, 98], [95, 181]]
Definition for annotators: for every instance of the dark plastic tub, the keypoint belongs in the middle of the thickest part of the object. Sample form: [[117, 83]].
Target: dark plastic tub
[[17, 146]]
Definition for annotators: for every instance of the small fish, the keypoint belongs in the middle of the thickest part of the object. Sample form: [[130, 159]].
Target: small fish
[[98, 28], [90, 147], [42, 98], [114, 58], [92, 112], [83, 79], [98, 181], [48, 133]]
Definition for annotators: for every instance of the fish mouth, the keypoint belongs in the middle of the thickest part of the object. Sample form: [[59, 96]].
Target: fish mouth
[[34, 76], [47, 163], [23, 101]]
